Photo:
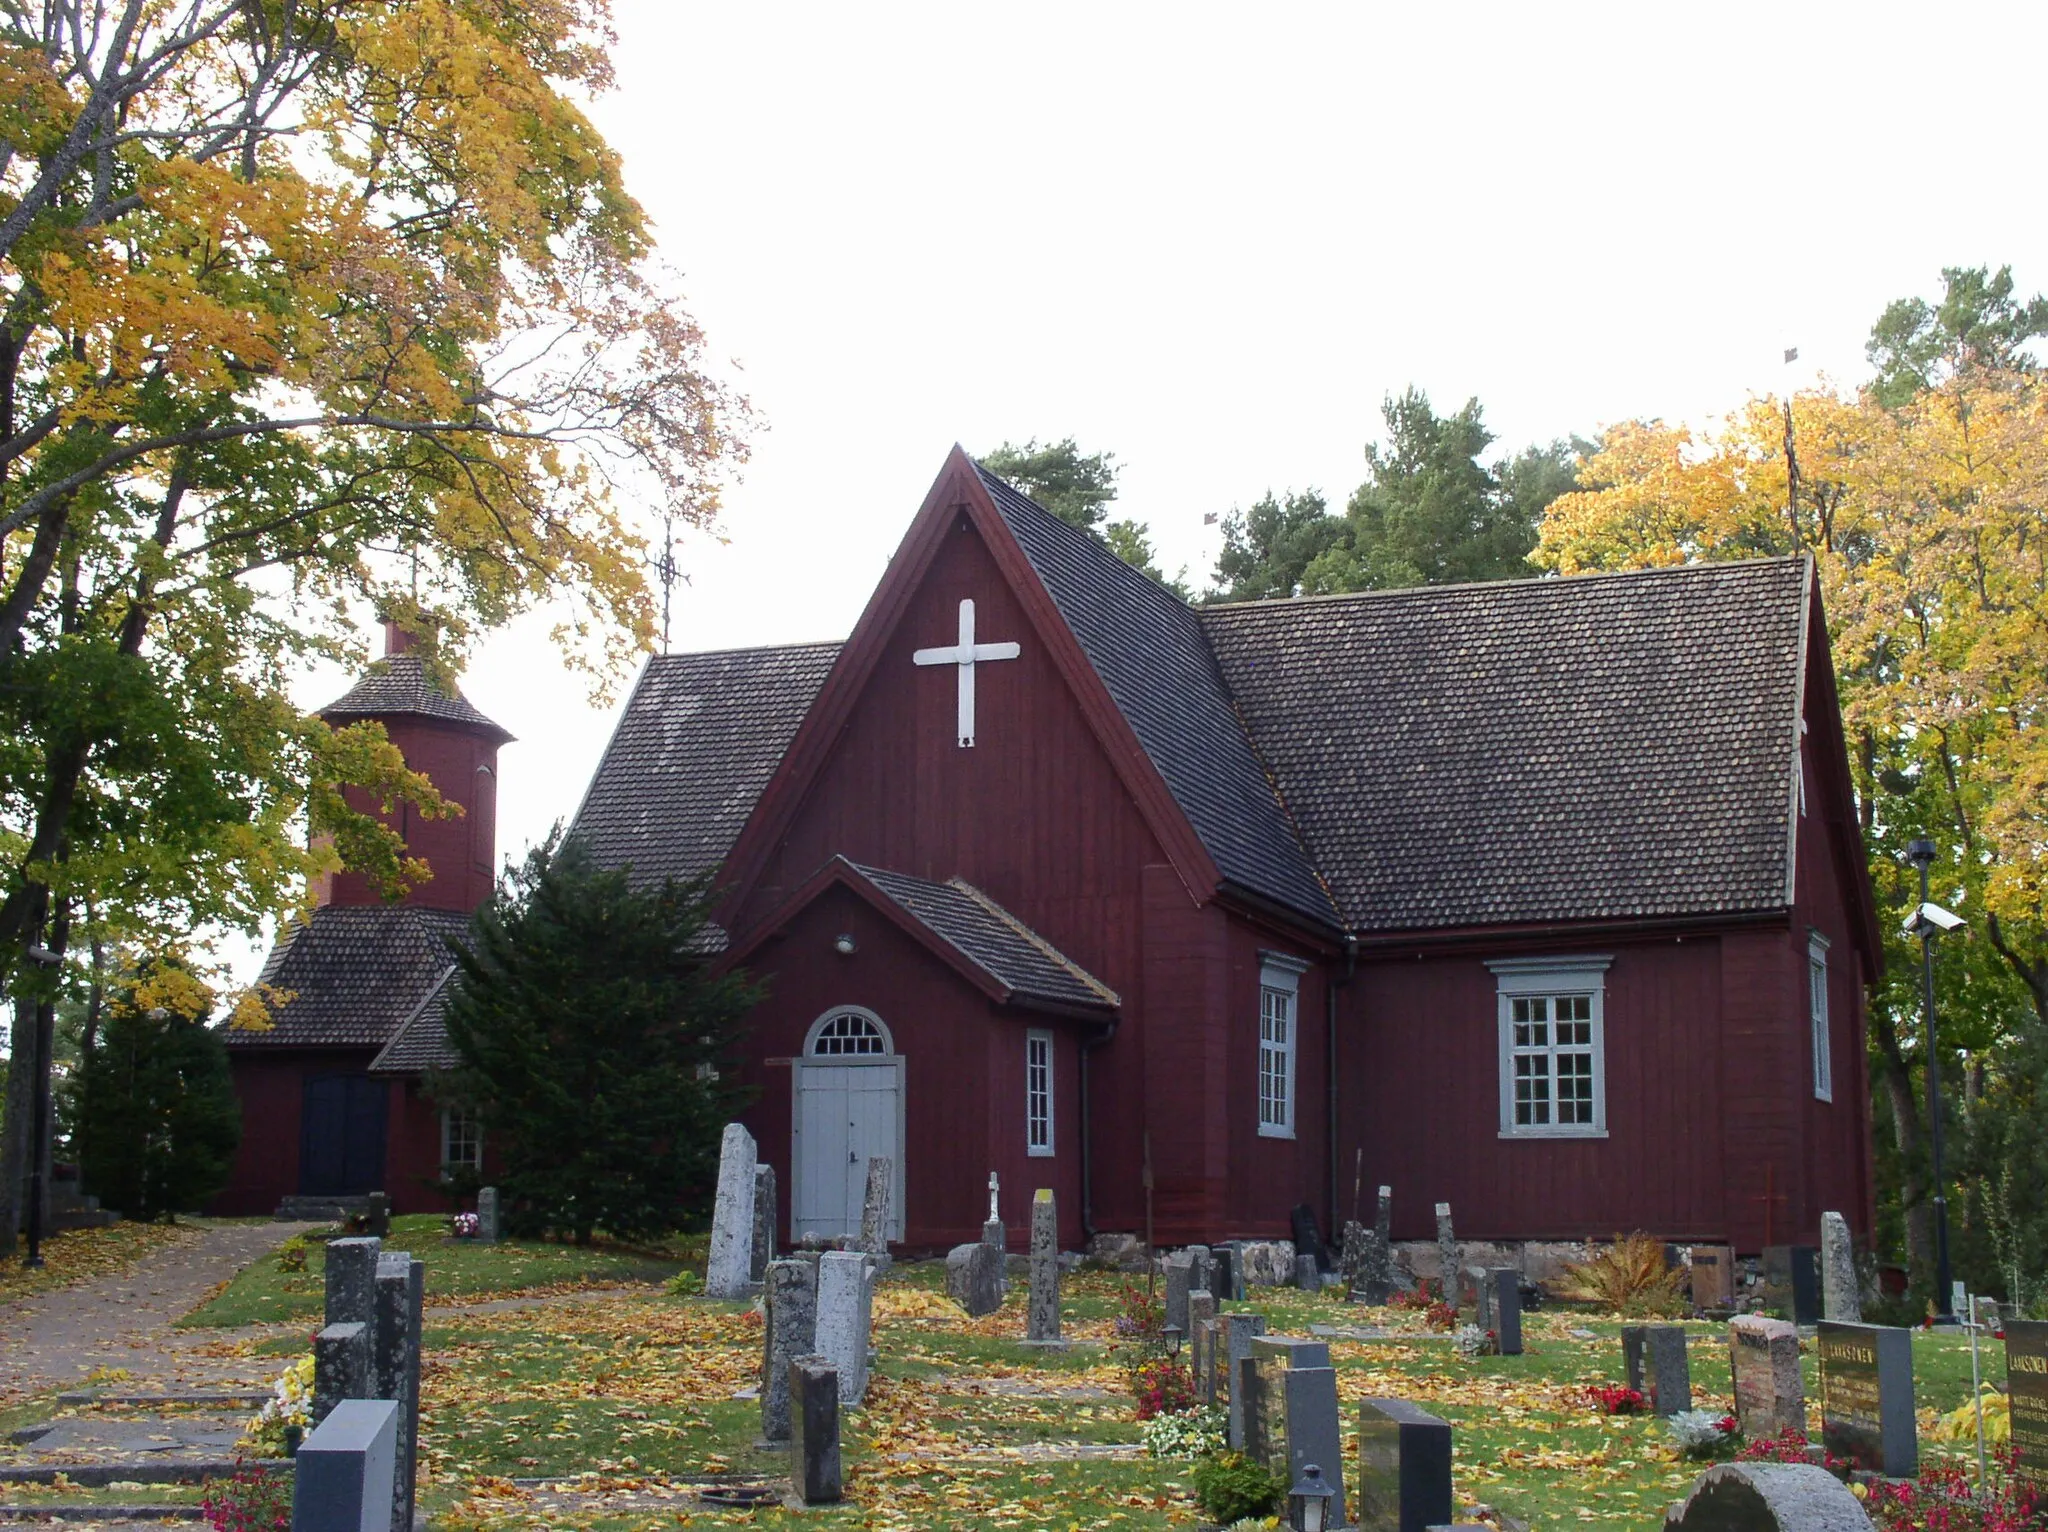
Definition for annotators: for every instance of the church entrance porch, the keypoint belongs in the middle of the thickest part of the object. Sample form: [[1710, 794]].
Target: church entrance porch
[[847, 1107]]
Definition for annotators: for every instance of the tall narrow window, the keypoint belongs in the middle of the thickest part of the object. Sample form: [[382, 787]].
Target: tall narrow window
[[1038, 1093], [1279, 997], [1817, 1008], [1552, 1047], [462, 1141]]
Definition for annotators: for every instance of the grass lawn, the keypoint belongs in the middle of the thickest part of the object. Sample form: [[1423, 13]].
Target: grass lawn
[[965, 1428], [457, 1271]]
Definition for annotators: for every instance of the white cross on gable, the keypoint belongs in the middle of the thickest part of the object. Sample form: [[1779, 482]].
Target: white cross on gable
[[967, 654]]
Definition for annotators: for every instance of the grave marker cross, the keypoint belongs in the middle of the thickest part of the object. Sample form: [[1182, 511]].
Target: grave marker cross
[[967, 654]]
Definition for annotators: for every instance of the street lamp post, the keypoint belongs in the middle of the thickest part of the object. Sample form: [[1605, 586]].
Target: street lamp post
[[1921, 852]]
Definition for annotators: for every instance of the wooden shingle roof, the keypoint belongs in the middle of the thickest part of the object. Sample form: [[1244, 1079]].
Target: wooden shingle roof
[[398, 685], [355, 973]]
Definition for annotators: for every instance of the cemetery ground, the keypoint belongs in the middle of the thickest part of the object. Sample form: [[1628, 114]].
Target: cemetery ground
[[568, 1387]]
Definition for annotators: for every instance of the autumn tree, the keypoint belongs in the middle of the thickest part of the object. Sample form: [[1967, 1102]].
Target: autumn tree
[[306, 310], [1079, 488], [1978, 326]]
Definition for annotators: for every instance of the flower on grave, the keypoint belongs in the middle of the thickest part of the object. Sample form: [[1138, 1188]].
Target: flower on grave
[[289, 1408], [1185, 1434], [1616, 1399], [1701, 1433], [465, 1225], [1943, 1499], [1162, 1387], [1472, 1341], [251, 1501], [1440, 1316], [1791, 1446]]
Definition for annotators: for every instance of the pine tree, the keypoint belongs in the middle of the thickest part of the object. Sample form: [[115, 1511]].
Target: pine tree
[[597, 1044], [157, 1121]]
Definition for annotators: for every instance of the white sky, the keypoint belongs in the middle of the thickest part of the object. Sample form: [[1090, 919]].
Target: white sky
[[1211, 239]]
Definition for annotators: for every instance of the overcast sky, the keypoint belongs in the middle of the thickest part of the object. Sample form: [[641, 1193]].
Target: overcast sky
[[1211, 240]]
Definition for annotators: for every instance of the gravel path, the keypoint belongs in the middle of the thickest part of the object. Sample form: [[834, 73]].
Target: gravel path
[[124, 1320]]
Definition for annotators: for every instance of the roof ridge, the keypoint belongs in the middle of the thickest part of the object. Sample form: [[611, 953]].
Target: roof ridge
[[708, 654], [1088, 535], [1046, 948], [1522, 582]]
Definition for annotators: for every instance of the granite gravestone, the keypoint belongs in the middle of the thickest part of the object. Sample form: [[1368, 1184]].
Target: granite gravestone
[[845, 1316], [1042, 1318], [351, 1268], [1351, 1258], [732, 1217], [1235, 1346], [992, 1230], [975, 1278], [814, 1391], [1841, 1296], [791, 1331], [1792, 1282], [1763, 1357], [395, 1368], [1315, 1432], [1308, 1276], [874, 1207], [1226, 1280], [1505, 1285], [1308, 1236], [1180, 1281], [763, 1250], [2026, 1383], [1713, 1277], [1866, 1397], [1404, 1468], [488, 1227], [1768, 1497], [1379, 1256], [1632, 1358], [377, 1220], [345, 1476], [341, 1367], [1291, 1410], [1669, 1370], [1449, 1257], [1201, 1324]]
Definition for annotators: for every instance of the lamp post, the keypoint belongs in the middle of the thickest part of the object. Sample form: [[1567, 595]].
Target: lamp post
[[41, 1046], [1925, 923]]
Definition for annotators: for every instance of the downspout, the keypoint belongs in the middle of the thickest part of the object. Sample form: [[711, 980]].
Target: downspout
[[1330, 988], [1088, 1046]]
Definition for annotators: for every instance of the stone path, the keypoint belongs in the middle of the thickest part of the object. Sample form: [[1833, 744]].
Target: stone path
[[124, 1320]]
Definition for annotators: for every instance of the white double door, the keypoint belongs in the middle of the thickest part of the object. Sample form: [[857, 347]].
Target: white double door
[[846, 1111]]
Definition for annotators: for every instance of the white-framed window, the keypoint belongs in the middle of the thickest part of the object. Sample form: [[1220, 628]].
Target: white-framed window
[[1038, 1093], [462, 1140], [1279, 1037], [1553, 1075], [1817, 1009], [853, 1029]]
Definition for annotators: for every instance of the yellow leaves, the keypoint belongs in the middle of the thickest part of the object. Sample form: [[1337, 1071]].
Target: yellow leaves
[[1960, 1424]]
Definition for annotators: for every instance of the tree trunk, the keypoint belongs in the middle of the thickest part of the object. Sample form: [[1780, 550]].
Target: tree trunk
[[14, 1116], [1896, 1076]]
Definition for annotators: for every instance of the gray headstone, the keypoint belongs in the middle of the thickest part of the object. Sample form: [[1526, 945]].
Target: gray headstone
[[1669, 1370], [2026, 1386], [395, 1368], [1484, 1291], [1239, 1331], [1763, 1356], [975, 1278], [378, 1219], [1042, 1322], [1450, 1257], [1506, 1285], [1383, 1217], [1713, 1277], [765, 1202], [1306, 1277], [1315, 1432], [1201, 1343], [1209, 1360], [489, 1227], [346, 1468], [1866, 1397], [845, 1313], [732, 1217], [993, 1233], [352, 1280], [1226, 1281], [1768, 1497], [1308, 1235], [1351, 1258], [1632, 1358], [1841, 1295], [1404, 1468], [874, 1207], [1180, 1281], [1378, 1283], [791, 1332], [341, 1366], [814, 1392], [1204, 1270], [1792, 1281], [1293, 1350], [1267, 1262]]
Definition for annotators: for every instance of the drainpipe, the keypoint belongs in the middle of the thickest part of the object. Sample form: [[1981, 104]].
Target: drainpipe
[[1088, 1046], [1330, 988]]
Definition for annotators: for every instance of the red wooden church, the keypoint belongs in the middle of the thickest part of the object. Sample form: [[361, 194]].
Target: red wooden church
[[1546, 897]]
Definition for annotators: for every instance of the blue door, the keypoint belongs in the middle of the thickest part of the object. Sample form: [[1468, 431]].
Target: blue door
[[341, 1136]]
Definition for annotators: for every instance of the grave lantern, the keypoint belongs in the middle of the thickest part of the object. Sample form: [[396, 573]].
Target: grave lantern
[[1308, 1503], [1173, 1335]]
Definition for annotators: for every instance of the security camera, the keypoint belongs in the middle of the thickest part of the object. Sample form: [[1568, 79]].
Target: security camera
[[1931, 917]]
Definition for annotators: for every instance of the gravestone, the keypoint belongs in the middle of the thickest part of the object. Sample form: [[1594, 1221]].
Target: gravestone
[[1484, 1293], [1307, 1275], [352, 1280], [1235, 1347], [1267, 1262], [992, 1231], [874, 1206], [1379, 1255], [1768, 1497], [1713, 1277], [1042, 1318], [1209, 1361], [791, 1331], [1669, 1369], [1226, 1278], [395, 1368], [1792, 1281], [1866, 1396], [1506, 1283], [1308, 1236], [1404, 1468], [815, 1391], [1351, 1258], [1763, 1358], [345, 1475], [1449, 1254], [377, 1221], [975, 1278], [341, 1366], [845, 1316], [1290, 1407], [732, 1217], [1180, 1281], [1841, 1295], [1632, 1358], [1204, 1273], [488, 1227], [763, 1248], [1201, 1323], [2026, 1384]]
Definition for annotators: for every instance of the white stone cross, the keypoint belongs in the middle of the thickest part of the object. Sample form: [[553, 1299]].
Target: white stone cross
[[993, 1187], [967, 654]]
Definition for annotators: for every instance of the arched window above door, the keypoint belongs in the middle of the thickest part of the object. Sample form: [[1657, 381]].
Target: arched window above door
[[851, 1029]]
